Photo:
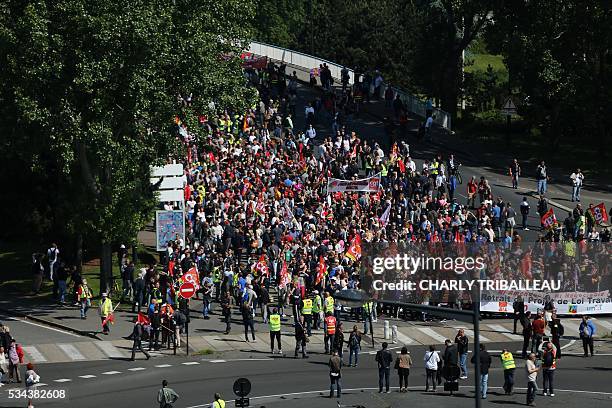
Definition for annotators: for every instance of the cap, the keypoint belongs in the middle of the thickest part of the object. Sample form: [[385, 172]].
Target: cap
[[104, 294]]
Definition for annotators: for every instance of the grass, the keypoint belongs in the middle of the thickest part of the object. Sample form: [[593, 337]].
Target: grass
[[480, 62], [204, 352]]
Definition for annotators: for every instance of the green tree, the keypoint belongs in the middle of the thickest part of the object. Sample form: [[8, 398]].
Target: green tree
[[280, 22], [90, 90]]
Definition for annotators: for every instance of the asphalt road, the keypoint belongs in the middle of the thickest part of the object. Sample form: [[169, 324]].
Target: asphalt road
[[196, 379], [28, 332]]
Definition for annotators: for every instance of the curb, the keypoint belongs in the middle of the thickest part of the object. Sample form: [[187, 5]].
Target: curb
[[535, 196], [49, 323]]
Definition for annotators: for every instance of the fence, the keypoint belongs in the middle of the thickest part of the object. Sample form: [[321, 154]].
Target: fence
[[306, 62]]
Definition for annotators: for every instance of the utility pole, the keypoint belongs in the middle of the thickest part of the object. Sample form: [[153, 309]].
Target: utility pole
[[476, 354]]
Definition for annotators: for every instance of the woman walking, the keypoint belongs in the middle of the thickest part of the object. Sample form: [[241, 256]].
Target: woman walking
[[32, 380], [432, 358], [403, 364]]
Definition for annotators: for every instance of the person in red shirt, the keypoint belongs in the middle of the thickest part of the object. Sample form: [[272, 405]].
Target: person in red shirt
[[538, 326], [472, 189], [330, 333]]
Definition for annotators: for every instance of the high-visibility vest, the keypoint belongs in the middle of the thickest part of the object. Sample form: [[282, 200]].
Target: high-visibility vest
[[329, 304], [330, 322], [106, 308], [316, 307], [307, 308], [368, 306], [219, 404], [434, 168], [275, 322], [384, 171], [507, 361]]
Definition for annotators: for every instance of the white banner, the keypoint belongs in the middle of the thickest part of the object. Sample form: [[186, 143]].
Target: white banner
[[371, 184], [566, 303]]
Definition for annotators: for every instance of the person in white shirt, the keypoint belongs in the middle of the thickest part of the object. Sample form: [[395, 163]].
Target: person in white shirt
[[53, 256], [577, 178], [432, 358], [311, 132]]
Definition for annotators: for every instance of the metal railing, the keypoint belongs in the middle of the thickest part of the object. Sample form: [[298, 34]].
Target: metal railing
[[413, 103]]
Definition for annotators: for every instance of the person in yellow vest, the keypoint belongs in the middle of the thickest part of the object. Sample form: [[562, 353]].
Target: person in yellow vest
[[106, 309], [367, 316], [317, 310], [507, 361], [84, 295], [218, 402], [328, 303], [307, 305], [275, 330]]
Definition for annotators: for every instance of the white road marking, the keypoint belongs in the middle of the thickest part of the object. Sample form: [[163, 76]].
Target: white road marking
[[571, 343], [604, 323], [109, 349], [402, 338], [502, 330], [136, 369], [163, 365], [574, 328], [416, 387], [87, 376], [71, 351], [48, 328], [432, 334], [217, 361], [63, 380], [190, 363], [111, 372], [470, 333], [42, 384], [34, 353]]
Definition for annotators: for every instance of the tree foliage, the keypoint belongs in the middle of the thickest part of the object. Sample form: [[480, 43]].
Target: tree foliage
[[90, 91]]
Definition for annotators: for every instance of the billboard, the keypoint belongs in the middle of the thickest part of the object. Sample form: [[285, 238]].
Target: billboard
[[169, 225]]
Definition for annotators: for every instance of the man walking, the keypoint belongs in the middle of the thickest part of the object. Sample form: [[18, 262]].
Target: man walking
[[542, 178], [532, 375], [384, 360], [518, 306], [524, 207], [515, 172], [538, 333], [330, 332], [166, 396], [587, 330], [335, 367], [577, 177], [300, 338], [137, 338], [527, 330], [508, 365], [485, 364], [462, 347], [106, 310]]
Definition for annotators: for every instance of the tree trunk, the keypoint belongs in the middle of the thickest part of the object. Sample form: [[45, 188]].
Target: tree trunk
[[450, 84], [106, 268], [79, 252]]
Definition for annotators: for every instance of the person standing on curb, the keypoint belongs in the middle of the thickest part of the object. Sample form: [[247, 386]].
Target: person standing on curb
[[384, 360], [524, 207], [218, 402], [300, 338], [403, 364], [485, 364], [226, 308], [432, 358], [542, 178], [462, 342], [577, 178], [166, 396], [335, 374], [587, 330], [515, 172], [508, 365], [275, 331], [532, 375], [549, 365]]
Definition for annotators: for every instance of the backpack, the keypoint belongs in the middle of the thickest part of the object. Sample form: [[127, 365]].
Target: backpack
[[353, 341]]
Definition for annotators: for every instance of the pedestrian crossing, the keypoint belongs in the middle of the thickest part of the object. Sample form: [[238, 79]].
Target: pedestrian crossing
[[408, 333]]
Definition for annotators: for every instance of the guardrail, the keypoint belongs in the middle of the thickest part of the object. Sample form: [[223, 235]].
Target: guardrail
[[413, 103]]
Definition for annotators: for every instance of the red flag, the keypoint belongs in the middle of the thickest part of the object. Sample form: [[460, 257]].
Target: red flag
[[109, 319], [354, 250], [143, 319], [402, 166], [599, 213], [261, 266], [284, 273], [526, 266], [549, 220], [171, 268], [192, 276], [321, 270]]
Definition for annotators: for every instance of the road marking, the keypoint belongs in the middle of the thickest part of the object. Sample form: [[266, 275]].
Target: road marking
[[111, 372], [71, 351], [575, 328], [34, 353], [217, 361], [87, 376], [502, 330], [41, 384], [470, 333], [571, 343], [163, 365], [108, 349], [604, 323], [49, 328], [136, 369], [432, 334], [415, 387], [402, 338], [63, 380], [190, 363]]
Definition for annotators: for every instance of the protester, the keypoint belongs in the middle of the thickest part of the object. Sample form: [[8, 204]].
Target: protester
[[549, 365], [432, 358], [384, 359], [354, 344], [335, 374], [508, 365], [166, 396], [462, 342], [403, 363], [532, 375], [485, 364], [587, 330]]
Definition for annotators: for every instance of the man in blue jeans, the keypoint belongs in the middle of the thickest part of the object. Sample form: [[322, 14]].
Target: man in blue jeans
[[462, 342], [384, 360], [485, 363], [542, 178]]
